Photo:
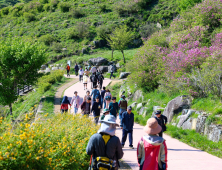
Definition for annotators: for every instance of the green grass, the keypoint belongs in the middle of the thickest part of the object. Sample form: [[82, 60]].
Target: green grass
[[196, 140]]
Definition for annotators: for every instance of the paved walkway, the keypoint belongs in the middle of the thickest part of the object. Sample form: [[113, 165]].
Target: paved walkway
[[180, 155]]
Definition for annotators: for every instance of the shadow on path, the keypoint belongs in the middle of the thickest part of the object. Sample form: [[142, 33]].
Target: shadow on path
[[185, 150]]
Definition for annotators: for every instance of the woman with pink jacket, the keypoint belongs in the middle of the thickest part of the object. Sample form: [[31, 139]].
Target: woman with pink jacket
[[107, 98], [75, 102]]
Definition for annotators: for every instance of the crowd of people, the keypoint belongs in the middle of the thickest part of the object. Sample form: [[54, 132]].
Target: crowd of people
[[104, 147]]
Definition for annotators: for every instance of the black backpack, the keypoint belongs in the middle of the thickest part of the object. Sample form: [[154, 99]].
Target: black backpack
[[94, 78]]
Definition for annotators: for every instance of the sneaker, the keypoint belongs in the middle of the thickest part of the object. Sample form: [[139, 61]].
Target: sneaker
[[131, 147]]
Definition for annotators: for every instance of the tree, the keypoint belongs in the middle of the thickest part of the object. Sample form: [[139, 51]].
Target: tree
[[119, 39], [19, 64]]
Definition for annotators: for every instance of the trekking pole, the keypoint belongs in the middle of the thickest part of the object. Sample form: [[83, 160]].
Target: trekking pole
[[90, 163]]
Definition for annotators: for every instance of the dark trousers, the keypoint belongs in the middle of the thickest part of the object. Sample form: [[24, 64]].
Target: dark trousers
[[161, 134], [111, 75], [124, 136], [76, 72], [101, 84], [68, 73], [80, 77], [94, 84]]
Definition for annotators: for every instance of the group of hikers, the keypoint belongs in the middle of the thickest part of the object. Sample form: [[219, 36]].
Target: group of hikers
[[104, 147]]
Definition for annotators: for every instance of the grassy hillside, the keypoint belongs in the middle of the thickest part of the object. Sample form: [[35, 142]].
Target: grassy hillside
[[75, 24]]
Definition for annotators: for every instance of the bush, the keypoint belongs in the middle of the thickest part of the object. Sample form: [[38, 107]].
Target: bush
[[184, 4], [126, 8], [103, 31], [81, 30], [79, 60], [47, 7], [57, 47], [29, 17], [64, 6], [76, 13], [5, 11], [44, 87], [54, 3], [44, 1], [46, 39], [59, 141], [102, 8], [147, 30]]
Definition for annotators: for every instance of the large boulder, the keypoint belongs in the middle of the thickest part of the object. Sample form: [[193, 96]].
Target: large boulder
[[133, 104], [55, 68], [124, 75], [214, 132], [143, 111], [176, 105], [98, 61], [183, 118], [103, 69], [138, 94], [47, 70], [139, 105], [200, 125], [187, 124]]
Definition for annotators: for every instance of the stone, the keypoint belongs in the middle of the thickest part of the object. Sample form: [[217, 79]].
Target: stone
[[51, 65], [41, 71], [55, 68], [214, 133], [138, 94], [183, 118], [124, 75], [143, 111], [118, 65], [139, 105], [61, 68], [84, 51], [98, 61], [47, 70], [187, 124], [43, 67], [158, 25], [176, 105], [194, 124], [57, 65], [184, 111], [103, 69], [133, 104], [200, 125]]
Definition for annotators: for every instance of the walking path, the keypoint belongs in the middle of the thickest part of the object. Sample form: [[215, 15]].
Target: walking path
[[180, 155]]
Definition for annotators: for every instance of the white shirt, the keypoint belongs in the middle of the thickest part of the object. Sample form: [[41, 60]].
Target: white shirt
[[81, 72]]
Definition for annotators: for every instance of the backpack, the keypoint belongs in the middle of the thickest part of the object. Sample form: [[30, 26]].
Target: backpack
[[104, 163], [108, 98], [100, 77], [123, 104], [94, 79]]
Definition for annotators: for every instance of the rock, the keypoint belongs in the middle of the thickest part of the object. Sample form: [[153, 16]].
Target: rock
[[47, 70], [118, 65], [103, 69], [184, 111], [98, 61], [183, 118], [84, 51], [194, 124], [43, 67], [55, 68], [61, 68], [143, 111], [138, 94], [57, 65], [133, 104], [158, 25], [187, 124], [99, 43], [124, 75], [213, 132], [41, 71], [200, 124], [176, 105], [139, 106], [51, 65]]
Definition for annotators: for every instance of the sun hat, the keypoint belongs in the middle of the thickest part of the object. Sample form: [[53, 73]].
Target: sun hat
[[129, 108], [106, 110], [158, 112], [152, 127], [109, 119]]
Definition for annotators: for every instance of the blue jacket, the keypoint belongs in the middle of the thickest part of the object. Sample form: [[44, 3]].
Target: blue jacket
[[94, 93], [127, 121]]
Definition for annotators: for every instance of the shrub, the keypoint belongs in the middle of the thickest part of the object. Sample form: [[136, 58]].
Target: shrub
[[79, 60], [76, 13], [33, 6], [103, 31], [81, 30], [29, 17], [64, 6], [47, 7], [184, 4], [46, 39], [5, 11], [44, 1], [44, 87], [102, 8], [147, 30], [126, 8], [57, 47], [54, 3], [59, 141]]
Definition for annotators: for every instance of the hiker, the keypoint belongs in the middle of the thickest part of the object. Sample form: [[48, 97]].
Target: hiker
[[87, 95], [93, 70], [105, 146], [102, 96], [162, 121], [76, 69], [95, 92], [65, 104], [85, 81], [94, 79], [105, 112], [81, 72], [113, 107], [85, 106], [96, 107], [68, 70], [122, 105], [107, 98], [75, 102], [112, 71], [152, 149], [127, 123], [100, 79]]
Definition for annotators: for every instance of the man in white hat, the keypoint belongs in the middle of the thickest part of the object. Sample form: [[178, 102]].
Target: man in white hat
[[152, 149], [104, 143]]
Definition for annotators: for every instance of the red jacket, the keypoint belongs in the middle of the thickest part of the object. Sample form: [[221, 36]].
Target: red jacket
[[65, 106]]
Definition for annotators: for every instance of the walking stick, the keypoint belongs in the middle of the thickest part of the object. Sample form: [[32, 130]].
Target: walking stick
[[90, 163]]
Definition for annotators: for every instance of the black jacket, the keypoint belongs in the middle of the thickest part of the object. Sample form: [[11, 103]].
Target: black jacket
[[95, 108], [162, 121]]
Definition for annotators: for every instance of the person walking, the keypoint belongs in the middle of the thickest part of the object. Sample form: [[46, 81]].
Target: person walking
[[87, 95], [95, 92], [75, 102], [104, 146], [96, 107], [162, 121], [152, 149], [113, 107], [76, 69], [86, 72], [102, 97], [105, 112], [122, 105], [93, 70], [107, 98], [85, 107], [81, 72], [68, 70], [85, 81], [112, 71], [94, 80], [100, 79], [65, 104], [127, 123]]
